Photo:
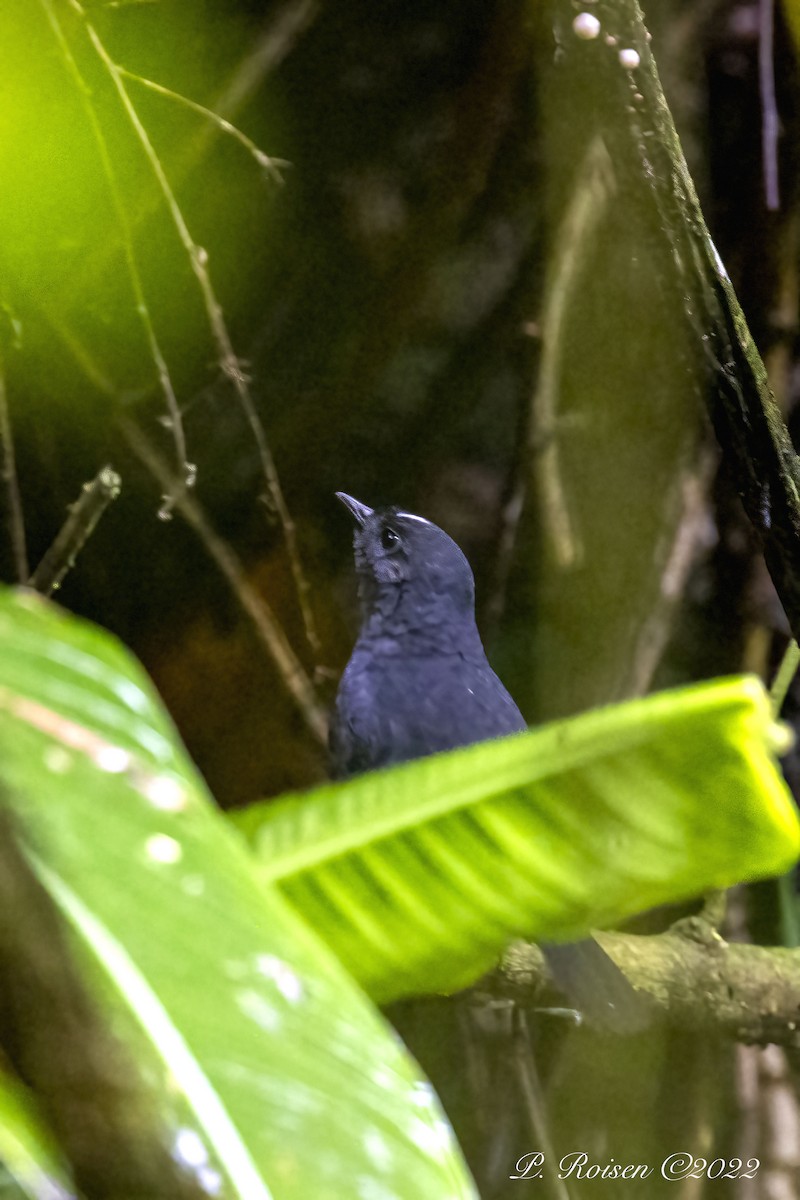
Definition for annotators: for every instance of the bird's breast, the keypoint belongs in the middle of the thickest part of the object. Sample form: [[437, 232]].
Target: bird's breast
[[398, 705]]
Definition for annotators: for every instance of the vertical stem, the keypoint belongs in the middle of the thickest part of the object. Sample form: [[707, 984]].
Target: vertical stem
[[185, 469], [770, 129], [786, 673], [531, 1088], [16, 522]]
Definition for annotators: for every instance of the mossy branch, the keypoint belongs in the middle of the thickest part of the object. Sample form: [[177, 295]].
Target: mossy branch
[[749, 427], [691, 977]]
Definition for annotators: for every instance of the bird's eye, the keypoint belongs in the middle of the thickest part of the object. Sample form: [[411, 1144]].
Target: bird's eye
[[389, 539]]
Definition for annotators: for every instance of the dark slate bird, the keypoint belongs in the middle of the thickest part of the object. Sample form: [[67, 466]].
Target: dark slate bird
[[418, 682]]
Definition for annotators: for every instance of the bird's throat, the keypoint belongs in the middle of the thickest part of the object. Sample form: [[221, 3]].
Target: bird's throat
[[395, 622]]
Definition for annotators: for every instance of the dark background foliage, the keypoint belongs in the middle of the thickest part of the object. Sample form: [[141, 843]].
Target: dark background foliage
[[387, 301]]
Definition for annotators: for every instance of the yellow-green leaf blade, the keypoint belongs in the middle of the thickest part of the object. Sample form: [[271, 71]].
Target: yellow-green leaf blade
[[547, 835]]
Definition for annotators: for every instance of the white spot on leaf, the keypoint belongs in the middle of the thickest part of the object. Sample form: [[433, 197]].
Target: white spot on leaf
[[434, 1138], [163, 849], [287, 981], [165, 793], [189, 1148], [112, 759], [210, 1180], [424, 1095], [378, 1150], [255, 1006]]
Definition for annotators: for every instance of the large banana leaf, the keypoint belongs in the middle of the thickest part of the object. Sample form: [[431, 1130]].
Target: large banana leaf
[[419, 876], [272, 1074]]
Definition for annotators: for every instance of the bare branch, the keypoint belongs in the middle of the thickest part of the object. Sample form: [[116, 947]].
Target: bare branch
[[273, 165], [269, 48], [76, 530], [229, 362], [265, 623]]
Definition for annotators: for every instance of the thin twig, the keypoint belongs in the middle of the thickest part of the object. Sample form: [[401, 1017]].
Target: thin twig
[[770, 125], [538, 454], [748, 1131], [16, 521], [162, 370], [786, 673], [788, 916], [270, 46], [273, 165], [229, 361], [593, 186], [532, 1092], [677, 549], [714, 910], [264, 621], [780, 1123], [76, 530]]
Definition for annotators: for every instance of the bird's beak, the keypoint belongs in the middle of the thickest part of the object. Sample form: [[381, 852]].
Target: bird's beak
[[357, 509]]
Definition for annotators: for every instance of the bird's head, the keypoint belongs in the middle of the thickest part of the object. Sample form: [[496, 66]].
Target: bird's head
[[400, 554]]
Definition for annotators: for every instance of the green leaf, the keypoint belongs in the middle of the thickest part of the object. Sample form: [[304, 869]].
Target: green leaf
[[418, 877], [26, 1150], [272, 1073]]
